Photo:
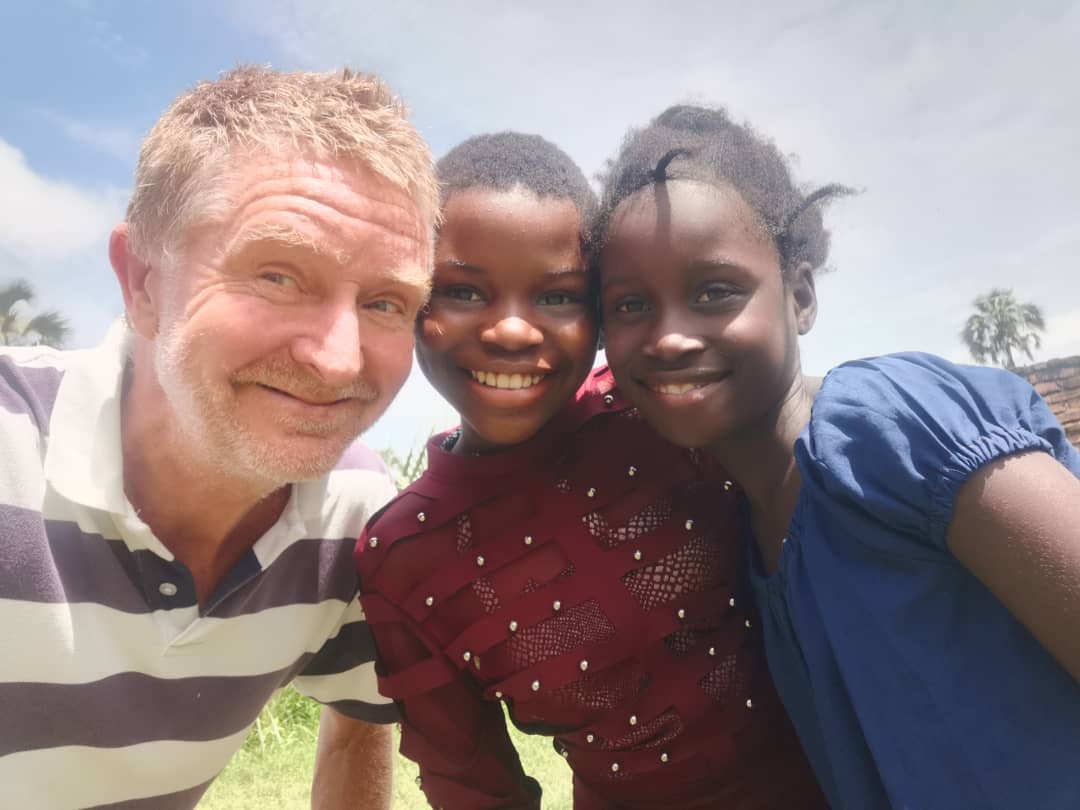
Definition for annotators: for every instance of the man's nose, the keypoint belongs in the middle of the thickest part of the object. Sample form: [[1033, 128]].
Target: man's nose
[[332, 349], [512, 333]]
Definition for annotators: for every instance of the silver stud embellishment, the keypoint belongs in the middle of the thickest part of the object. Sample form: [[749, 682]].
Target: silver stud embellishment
[[614, 767], [609, 400], [584, 665], [749, 703], [498, 695], [419, 781], [727, 485], [681, 614], [467, 655], [556, 605], [637, 555], [564, 752], [480, 560], [513, 626], [689, 525], [748, 623], [429, 601], [535, 686], [631, 470], [712, 651], [167, 589], [373, 542], [590, 492], [421, 516], [633, 719], [528, 540], [664, 757], [590, 738], [731, 601]]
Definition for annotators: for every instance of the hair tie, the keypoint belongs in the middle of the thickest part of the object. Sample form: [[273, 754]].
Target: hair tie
[[659, 174]]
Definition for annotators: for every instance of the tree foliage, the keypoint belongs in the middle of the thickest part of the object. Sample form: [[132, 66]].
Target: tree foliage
[[408, 469], [1001, 326], [19, 328]]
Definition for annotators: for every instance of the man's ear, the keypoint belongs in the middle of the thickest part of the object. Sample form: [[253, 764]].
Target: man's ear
[[138, 283], [803, 296]]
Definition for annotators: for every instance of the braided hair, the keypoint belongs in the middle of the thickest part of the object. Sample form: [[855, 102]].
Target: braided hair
[[703, 144]]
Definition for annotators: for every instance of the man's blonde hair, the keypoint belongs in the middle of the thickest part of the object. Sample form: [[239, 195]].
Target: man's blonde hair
[[343, 116]]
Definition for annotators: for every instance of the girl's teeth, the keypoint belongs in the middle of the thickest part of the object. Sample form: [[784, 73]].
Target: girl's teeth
[[681, 388], [508, 381]]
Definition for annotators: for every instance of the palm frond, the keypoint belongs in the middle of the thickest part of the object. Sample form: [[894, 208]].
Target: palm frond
[[48, 328], [13, 293]]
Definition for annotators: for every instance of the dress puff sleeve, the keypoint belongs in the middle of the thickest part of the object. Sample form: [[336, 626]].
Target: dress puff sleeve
[[897, 436]]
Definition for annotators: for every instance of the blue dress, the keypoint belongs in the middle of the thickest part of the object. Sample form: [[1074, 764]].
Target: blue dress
[[910, 685]]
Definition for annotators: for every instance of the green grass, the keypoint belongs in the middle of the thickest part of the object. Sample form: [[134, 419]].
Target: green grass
[[273, 769]]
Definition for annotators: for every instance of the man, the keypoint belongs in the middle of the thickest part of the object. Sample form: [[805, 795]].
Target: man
[[178, 506]]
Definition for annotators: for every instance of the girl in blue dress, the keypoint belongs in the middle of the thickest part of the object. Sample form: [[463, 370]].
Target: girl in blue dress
[[916, 522]]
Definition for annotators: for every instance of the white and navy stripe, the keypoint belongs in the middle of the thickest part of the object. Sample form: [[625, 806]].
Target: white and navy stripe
[[116, 689]]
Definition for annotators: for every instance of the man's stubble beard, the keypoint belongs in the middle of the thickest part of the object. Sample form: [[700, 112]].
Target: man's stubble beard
[[212, 434]]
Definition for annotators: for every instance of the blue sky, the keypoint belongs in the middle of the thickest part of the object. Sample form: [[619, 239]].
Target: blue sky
[[960, 124]]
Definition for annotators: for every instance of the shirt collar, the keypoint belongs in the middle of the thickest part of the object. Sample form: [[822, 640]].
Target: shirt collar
[[84, 458]]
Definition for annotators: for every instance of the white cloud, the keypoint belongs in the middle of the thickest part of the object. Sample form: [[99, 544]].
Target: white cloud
[[55, 235], [44, 220]]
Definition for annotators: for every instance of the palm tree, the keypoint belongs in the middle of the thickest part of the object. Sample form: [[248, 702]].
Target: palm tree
[[46, 328], [1000, 325]]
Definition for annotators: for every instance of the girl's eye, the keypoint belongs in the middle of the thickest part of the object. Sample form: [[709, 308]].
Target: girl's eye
[[714, 293], [467, 294], [279, 279], [555, 299], [630, 305]]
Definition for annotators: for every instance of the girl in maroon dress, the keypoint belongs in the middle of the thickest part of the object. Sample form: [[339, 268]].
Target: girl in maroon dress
[[558, 558]]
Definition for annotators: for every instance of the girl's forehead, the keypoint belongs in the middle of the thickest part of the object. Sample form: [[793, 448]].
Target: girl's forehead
[[685, 210], [479, 203]]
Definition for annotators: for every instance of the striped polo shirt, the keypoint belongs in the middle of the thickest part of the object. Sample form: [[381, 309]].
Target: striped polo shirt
[[116, 689]]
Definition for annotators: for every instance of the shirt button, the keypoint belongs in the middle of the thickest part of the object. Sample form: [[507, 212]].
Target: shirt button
[[167, 589]]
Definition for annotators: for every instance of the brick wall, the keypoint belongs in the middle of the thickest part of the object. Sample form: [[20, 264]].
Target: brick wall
[[1059, 383]]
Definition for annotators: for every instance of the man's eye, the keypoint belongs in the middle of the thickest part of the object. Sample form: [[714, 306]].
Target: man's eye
[[555, 299], [279, 279], [382, 305]]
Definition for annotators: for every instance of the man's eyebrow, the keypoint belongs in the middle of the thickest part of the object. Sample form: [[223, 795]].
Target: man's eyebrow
[[409, 274], [291, 238]]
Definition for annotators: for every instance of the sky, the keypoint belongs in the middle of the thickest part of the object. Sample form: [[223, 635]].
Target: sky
[[958, 124]]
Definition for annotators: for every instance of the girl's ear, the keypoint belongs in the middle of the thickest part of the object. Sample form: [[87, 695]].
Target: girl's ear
[[803, 296]]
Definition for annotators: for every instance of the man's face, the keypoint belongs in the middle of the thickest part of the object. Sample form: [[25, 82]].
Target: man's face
[[285, 330]]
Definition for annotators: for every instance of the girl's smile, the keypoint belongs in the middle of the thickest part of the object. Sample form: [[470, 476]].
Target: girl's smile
[[510, 334]]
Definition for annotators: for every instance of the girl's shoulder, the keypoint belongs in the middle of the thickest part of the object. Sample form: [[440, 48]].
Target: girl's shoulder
[[899, 397], [899, 434], [896, 381]]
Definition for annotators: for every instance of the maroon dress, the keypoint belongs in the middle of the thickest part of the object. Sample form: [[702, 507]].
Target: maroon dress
[[590, 580]]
